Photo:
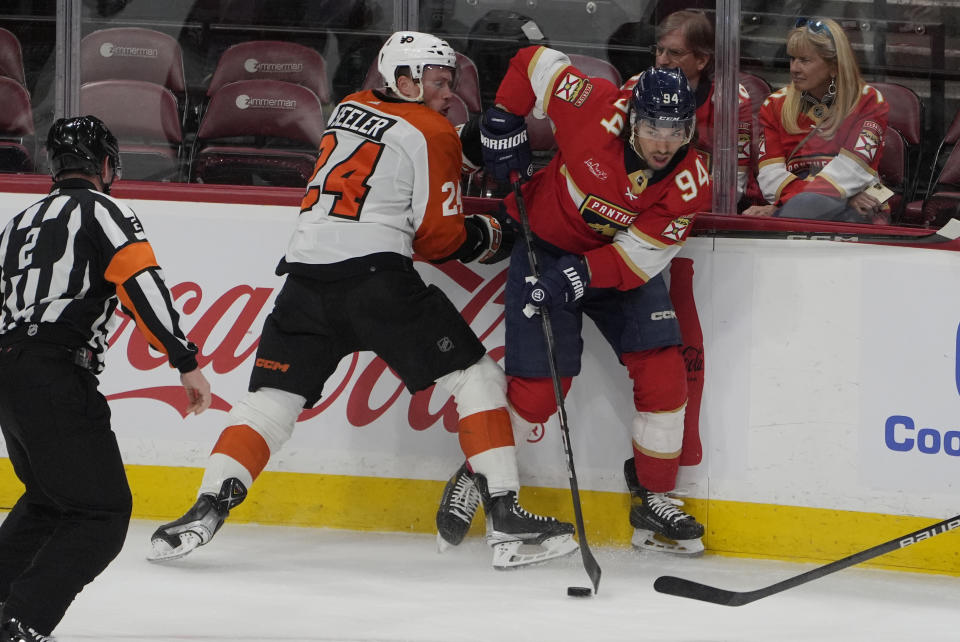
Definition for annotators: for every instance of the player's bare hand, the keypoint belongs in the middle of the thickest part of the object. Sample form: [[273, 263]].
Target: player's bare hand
[[760, 210], [198, 391]]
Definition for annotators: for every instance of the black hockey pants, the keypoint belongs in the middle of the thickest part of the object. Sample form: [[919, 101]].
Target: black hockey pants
[[72, 520]]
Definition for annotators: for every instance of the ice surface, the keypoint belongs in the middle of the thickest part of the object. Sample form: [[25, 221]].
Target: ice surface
[[297, 584]]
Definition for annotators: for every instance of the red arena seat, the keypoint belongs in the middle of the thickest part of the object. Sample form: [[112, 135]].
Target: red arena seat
[[596, 68], [457, 112], [272, 59], [143, 116], [258, 132], [11, 57], [893, 170], [16, 128], [132, 53]]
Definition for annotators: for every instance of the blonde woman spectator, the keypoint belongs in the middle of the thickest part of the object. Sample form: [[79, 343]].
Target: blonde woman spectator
[[822, 134]]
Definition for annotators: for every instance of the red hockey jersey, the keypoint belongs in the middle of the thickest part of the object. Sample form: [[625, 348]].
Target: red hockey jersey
[[596, 197], [839, 167]]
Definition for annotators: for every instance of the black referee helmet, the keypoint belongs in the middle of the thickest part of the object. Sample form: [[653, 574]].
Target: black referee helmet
[[80, 144]]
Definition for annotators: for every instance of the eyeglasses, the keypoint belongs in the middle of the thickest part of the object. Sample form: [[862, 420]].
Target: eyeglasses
[[815, 26], [672, 54]]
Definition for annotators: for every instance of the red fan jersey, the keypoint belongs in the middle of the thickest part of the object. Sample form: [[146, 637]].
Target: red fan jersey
[[839, 167], [597, 197]]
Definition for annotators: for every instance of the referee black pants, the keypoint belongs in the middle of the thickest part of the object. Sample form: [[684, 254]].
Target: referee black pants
[[72, 519]]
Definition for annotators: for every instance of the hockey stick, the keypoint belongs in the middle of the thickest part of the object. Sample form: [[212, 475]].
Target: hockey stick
[[949, 233], [590, 564], [696, 591]]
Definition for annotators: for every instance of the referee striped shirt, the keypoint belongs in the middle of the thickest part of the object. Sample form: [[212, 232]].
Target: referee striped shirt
[[70, 258]]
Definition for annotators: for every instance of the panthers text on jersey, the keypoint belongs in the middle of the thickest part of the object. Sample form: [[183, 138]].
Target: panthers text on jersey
[[596, 197]]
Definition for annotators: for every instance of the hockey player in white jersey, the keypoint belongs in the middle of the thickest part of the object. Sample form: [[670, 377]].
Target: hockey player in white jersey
[[386, 185]]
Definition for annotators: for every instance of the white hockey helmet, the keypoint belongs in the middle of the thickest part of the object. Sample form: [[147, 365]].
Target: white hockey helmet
[[414, 50]]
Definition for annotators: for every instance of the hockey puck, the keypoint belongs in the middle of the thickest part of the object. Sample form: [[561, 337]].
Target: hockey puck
[[579, 591]]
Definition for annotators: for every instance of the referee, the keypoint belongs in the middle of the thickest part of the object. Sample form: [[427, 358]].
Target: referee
[[65, 264]]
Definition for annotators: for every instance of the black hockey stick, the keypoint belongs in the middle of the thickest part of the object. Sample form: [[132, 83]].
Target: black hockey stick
[[696, 591], [590, 564], [949, 233]]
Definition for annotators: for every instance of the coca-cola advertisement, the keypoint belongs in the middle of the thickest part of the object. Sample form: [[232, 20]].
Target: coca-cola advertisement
[[219, 262]]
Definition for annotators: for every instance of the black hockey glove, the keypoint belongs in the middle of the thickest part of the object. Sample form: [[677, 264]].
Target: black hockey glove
[[487, 241], [563, 282], [506, 146]]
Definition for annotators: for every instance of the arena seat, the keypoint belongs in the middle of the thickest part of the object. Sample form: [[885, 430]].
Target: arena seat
[[17, 141], [596, 68], [905, 116], [758, 89], [947, 143], [943, 201], [893, 171], [457, 112], [144, 118], [258, 132], [467, 83], [132, 53], [11, 57], [272, 59]]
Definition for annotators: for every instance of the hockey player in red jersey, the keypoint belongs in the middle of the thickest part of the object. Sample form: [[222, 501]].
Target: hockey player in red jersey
[[386, 185], [608, 214], [822, 134]]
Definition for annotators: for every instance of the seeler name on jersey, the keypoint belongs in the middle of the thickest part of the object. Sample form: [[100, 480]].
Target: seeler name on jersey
[[356, 119]]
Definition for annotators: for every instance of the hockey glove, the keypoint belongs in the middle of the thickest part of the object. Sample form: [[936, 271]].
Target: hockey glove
[[563, 282], [506, 146], [487, 240]]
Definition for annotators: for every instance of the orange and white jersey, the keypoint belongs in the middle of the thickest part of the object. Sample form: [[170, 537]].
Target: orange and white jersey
[[387, 181]]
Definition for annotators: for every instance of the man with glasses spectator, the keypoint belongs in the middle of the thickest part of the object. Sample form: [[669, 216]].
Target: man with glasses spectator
[[685, 40]]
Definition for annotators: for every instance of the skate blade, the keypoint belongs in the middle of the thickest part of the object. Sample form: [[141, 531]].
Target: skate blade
[[161, 551], [650, 541], [514, 554], [443, 545]]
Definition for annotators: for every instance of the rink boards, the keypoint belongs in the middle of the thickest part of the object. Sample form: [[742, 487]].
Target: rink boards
[[829, 417]]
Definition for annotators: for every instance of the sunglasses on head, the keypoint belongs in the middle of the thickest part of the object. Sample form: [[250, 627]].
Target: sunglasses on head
[[815, 25]]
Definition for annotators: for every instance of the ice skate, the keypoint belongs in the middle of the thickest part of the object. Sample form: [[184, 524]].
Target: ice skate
[[178, 538], [13, 630], [659, 523], [519, 537], [457, 507]]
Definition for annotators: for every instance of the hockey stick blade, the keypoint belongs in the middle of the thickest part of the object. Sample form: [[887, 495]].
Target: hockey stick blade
[[946, 236], [696, 591]]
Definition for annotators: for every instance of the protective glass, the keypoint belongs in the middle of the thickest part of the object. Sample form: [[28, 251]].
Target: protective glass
[[672, 54], [815, 26]]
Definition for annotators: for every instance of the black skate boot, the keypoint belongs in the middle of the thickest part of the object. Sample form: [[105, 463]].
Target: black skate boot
[[13, 630], [658, 522], [178, 538], [457, 507], [510, 527]]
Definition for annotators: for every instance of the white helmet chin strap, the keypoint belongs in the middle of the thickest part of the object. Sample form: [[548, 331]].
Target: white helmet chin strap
[[419, 97]]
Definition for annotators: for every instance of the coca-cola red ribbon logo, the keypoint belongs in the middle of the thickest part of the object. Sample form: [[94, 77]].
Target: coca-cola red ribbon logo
[[242, 305]]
